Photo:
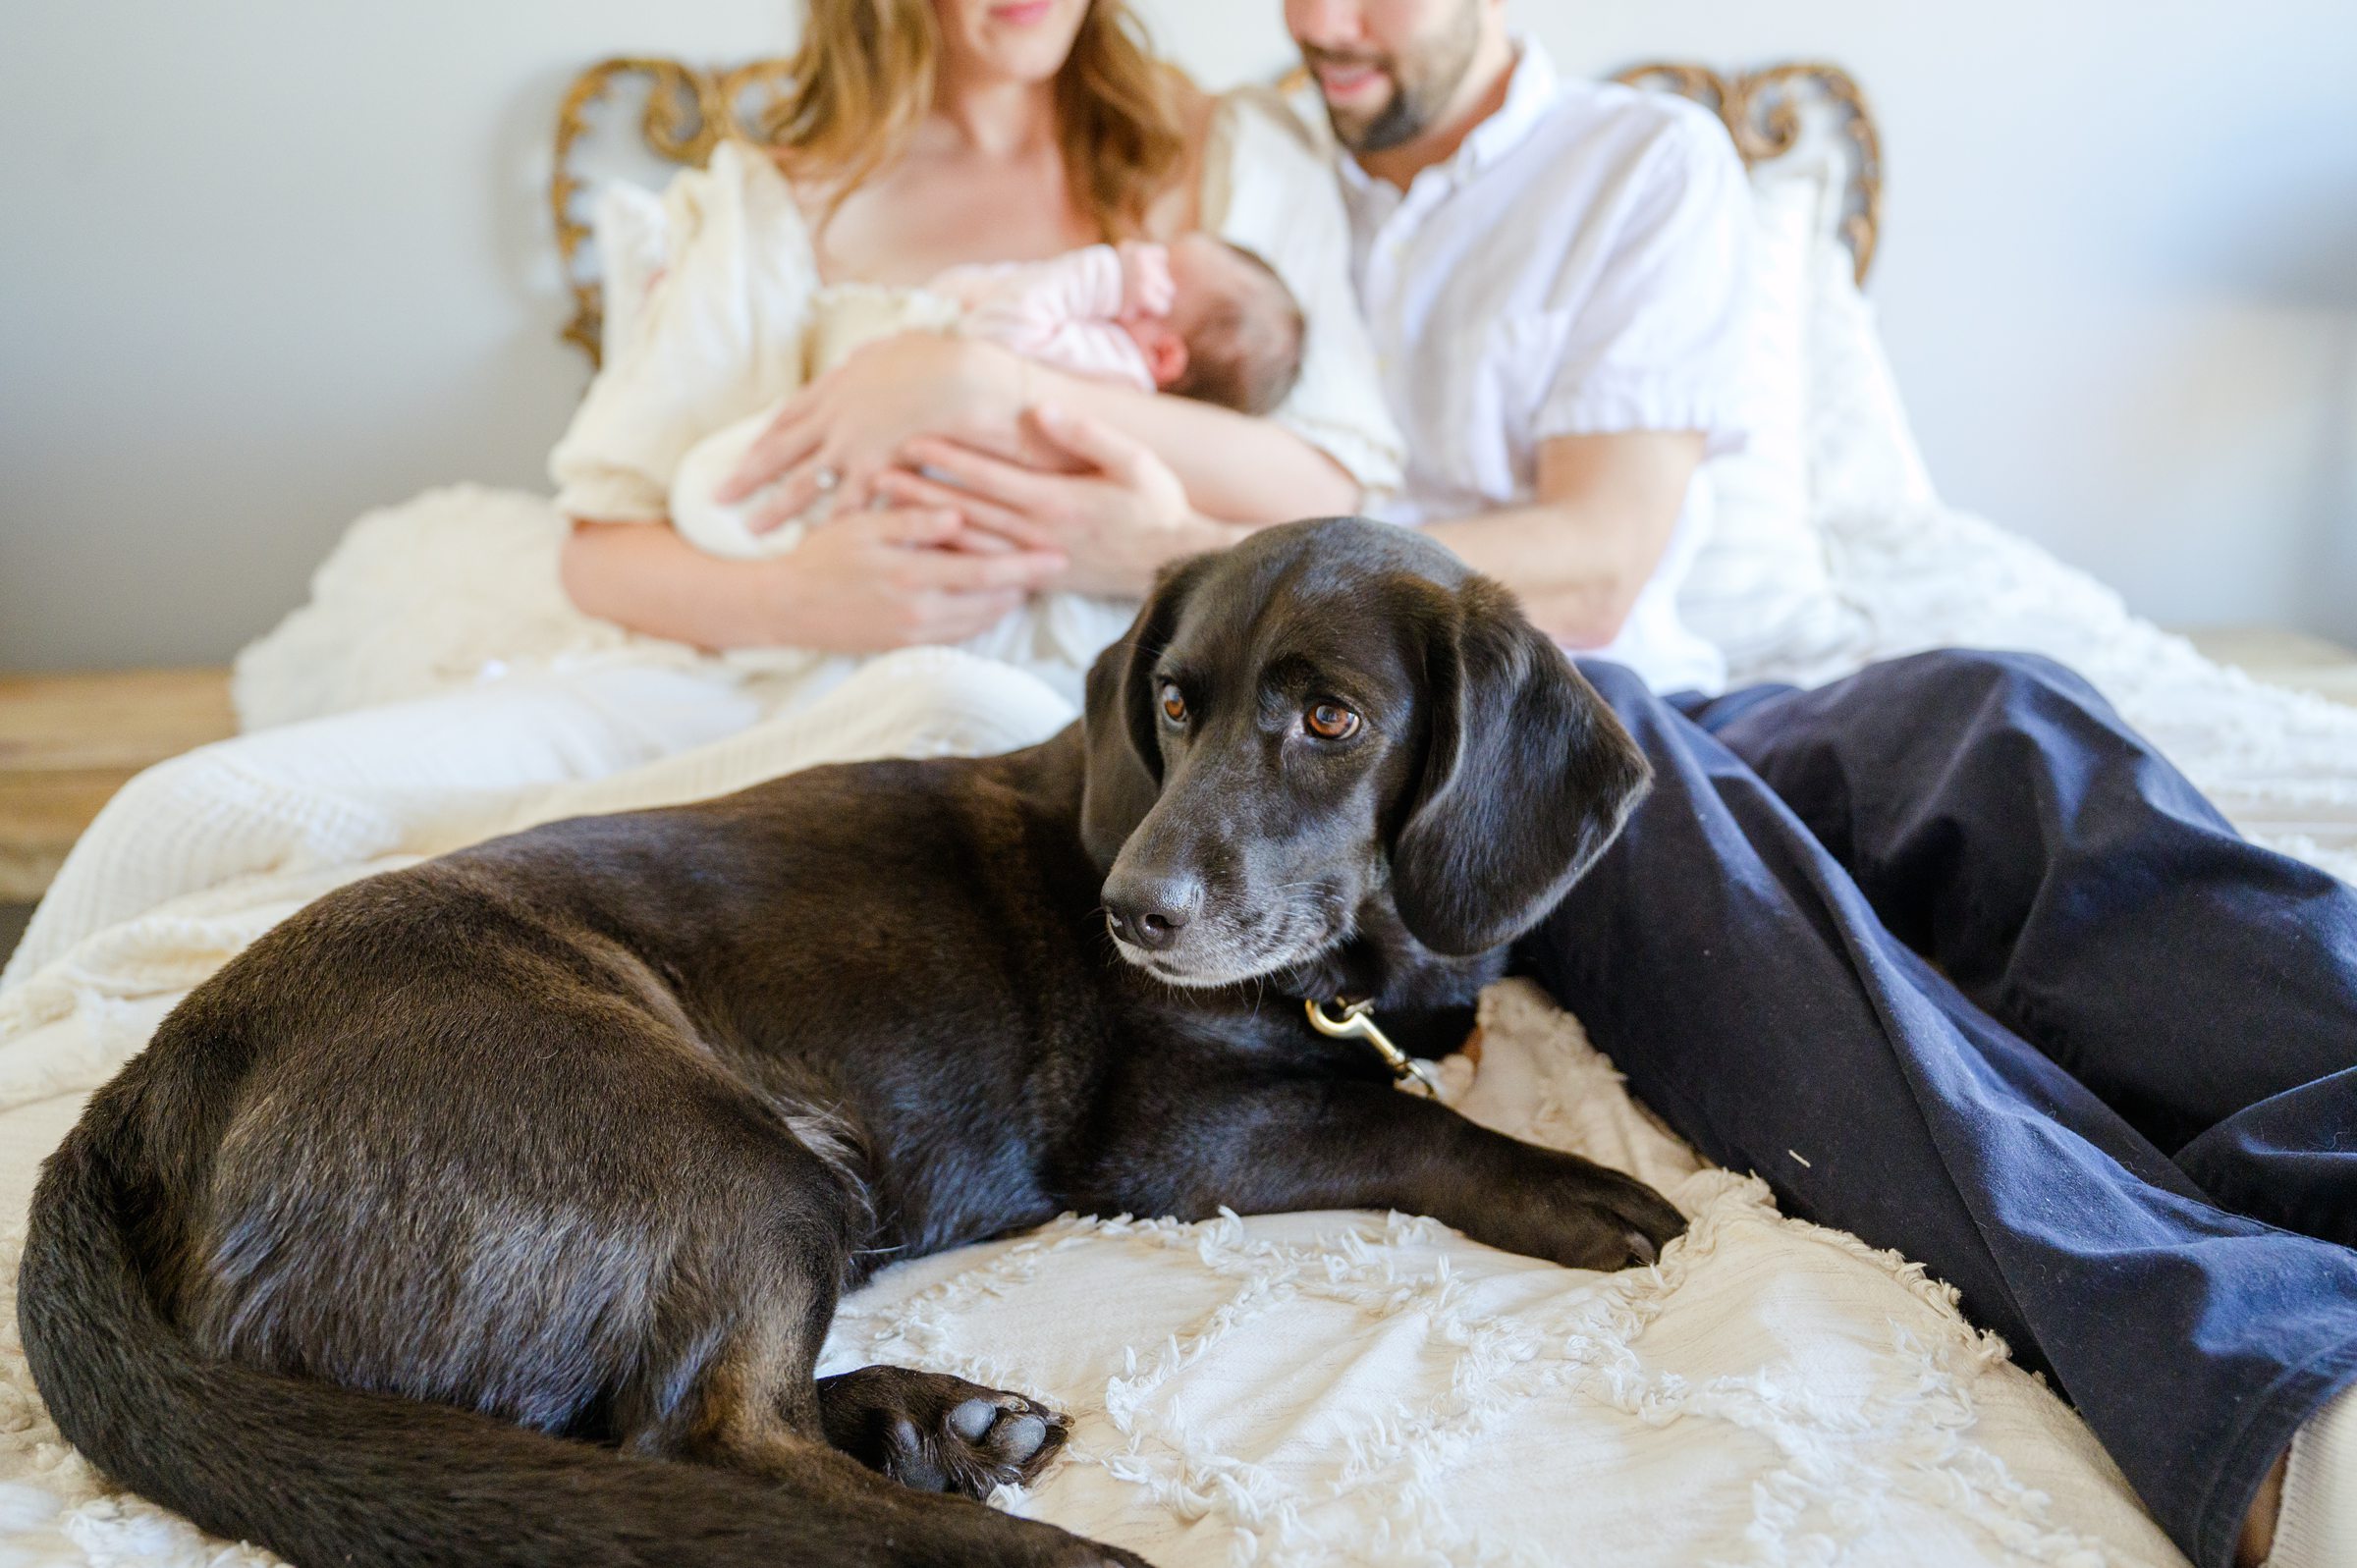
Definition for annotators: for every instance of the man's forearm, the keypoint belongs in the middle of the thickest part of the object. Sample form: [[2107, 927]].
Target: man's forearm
[[1577, 581], [1579, 555]]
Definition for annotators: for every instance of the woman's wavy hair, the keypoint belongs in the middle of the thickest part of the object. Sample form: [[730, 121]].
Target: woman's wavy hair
[[864, 79]]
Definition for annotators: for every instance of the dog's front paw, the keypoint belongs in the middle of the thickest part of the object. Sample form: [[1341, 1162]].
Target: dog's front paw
[[936, 1432], [1619, 1224]]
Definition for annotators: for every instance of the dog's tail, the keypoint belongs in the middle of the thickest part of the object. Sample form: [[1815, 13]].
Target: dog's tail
[[324, 1475]]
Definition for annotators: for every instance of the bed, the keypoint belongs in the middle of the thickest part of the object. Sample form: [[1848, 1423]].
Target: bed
[[1319, 1388]]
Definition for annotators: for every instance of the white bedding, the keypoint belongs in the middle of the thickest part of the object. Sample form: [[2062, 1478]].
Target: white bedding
[[1303, 1389]]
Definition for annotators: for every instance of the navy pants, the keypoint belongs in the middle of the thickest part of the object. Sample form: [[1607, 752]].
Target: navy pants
[[1958, 963]]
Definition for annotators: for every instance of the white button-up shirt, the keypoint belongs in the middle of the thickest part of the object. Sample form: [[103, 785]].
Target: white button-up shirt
[[1581, 266]]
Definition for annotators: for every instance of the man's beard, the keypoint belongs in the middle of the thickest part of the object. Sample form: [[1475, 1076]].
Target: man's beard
[[1421, 84]]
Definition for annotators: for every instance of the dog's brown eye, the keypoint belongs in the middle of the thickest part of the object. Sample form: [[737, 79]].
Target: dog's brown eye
[[1173, 706], [1331, 720]]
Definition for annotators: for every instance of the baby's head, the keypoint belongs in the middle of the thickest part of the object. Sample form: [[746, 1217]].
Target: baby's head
[[1233, 333]]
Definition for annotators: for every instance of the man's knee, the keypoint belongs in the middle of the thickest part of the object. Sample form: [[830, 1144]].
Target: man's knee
[[1649, 719], [1621, 687], [1945, 679]]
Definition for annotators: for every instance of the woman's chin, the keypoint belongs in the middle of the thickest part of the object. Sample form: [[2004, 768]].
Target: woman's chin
[[1024, 40], [1031, 56]]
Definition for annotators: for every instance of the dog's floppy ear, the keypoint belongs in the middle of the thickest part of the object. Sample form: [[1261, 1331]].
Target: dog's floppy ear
[[1527, 777], [1124, 751]]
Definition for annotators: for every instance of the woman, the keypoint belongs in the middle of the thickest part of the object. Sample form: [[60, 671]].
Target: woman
[[922, 135]]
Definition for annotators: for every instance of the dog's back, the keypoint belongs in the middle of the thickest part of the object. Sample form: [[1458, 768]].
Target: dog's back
[[351, 1163]]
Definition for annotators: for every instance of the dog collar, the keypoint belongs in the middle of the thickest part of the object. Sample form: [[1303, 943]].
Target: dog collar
[[1357, 1021]]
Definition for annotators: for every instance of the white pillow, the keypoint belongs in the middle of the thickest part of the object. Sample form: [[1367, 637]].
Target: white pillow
[[1760, 586], [629, 231], [1861, 449]]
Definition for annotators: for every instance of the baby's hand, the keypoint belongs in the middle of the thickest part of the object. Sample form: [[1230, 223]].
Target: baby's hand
[[1146, 286]]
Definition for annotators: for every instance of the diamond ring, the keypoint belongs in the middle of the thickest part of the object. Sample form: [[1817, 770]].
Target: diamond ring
[[827, 477]]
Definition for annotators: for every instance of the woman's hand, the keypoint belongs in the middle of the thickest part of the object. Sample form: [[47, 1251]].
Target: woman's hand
[[841, 431], [895, 578], [862, 582], [1117, 517]]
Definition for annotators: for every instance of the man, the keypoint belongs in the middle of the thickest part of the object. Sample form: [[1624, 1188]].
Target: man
[[1943, 950]]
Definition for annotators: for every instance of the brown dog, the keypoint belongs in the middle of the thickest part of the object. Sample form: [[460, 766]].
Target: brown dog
[[431, 1221]]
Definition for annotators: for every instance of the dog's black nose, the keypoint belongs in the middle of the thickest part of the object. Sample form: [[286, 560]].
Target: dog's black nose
[[1149, 914]]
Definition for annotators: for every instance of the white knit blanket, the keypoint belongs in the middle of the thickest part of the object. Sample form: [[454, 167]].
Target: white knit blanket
[[1317, 1388]]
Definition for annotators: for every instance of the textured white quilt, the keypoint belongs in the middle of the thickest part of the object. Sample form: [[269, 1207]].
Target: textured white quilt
[[1345, 1389]]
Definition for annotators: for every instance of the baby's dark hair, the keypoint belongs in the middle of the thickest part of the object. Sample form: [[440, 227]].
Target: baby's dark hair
[[1246, 350]]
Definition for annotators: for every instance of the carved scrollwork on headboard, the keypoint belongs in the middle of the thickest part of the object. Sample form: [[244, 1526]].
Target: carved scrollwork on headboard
[[1766, 112], [683, 121], [755, 98], [689, 111]]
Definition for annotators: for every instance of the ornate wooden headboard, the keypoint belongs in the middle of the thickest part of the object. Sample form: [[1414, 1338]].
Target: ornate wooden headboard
[[689, 111]]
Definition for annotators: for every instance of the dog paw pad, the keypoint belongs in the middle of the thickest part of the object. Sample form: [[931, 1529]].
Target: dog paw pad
[[935, 1432]]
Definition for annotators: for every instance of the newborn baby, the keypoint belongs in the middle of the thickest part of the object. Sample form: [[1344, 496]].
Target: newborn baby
[[1197, 317]]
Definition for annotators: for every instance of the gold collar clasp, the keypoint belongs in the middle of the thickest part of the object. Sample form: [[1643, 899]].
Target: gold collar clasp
[[1357, 1021]]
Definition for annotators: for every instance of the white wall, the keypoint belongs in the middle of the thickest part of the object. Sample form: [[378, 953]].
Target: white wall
[[268, 263]]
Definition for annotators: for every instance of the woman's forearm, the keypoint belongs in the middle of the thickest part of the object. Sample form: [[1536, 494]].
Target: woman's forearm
[[859, 584], [644, 577]]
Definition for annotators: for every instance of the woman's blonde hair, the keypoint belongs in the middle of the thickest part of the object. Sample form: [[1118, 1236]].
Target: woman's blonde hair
[[864, 79]]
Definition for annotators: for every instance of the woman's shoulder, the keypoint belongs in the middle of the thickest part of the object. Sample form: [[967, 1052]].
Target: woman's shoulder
[[741, 196], [742, 168], [746, 173]]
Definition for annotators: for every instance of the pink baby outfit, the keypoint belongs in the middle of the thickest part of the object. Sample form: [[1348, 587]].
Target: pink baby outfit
[[1068, 311]]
